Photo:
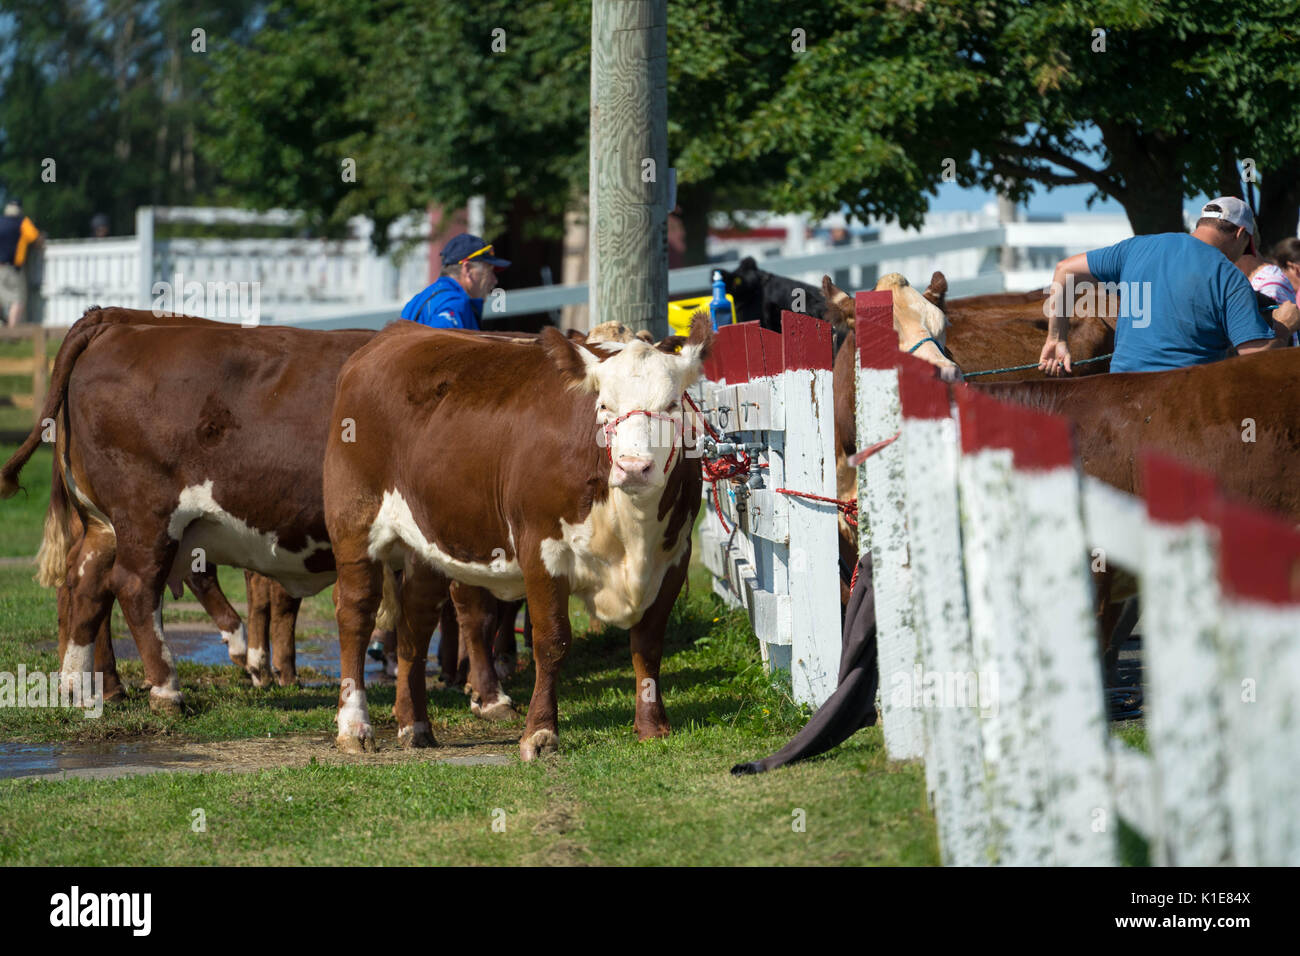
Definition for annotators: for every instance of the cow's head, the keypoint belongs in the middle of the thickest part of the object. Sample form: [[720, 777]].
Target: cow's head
[[922, 326], [745, 285], [638, 390]]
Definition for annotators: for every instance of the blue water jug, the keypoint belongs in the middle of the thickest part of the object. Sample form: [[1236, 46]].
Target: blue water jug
[[719, 308]]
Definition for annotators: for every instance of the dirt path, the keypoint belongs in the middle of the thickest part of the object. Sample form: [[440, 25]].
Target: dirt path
[[108, 761]]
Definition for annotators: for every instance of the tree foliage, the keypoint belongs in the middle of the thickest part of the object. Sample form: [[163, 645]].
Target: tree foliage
[[111, 92], [820, 106]]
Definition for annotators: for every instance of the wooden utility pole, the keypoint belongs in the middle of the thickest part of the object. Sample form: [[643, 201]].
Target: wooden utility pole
[[628, 215]]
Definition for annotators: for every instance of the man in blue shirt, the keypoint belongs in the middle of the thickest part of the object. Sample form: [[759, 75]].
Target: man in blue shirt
[[1181, 300], [455, 301]]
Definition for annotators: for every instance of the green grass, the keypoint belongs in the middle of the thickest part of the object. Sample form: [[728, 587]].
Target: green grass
[[606, 799], [23, 515], [13, 419]]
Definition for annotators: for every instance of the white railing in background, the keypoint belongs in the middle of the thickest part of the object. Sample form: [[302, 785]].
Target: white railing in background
[[988, 646], [297, 278], [773, 553], [325, 283]]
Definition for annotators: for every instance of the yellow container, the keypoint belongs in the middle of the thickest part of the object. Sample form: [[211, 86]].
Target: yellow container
[[680, 312]]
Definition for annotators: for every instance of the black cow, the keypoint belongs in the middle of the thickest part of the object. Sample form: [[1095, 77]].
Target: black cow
[[760, 296]]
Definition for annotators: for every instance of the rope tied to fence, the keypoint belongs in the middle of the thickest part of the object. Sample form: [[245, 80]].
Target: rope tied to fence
[[732, 466], [729, 467], [1022, 368]]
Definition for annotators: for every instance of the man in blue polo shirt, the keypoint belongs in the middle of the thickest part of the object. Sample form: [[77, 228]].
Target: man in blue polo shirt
[[455, 301], [1182, 302]]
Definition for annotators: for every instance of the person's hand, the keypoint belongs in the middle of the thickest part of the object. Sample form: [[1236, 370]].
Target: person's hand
[[1288, 316], [1055, 359]]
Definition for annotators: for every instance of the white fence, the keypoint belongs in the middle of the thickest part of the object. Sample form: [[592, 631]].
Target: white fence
[[327, 283], [297, 279], [980, 527], [771, 551]]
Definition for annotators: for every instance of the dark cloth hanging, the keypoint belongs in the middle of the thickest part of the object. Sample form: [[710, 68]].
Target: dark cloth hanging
[[853, 705]]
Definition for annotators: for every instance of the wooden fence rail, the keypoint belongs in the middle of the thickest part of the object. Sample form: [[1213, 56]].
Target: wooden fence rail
[[37, 366], [771, 551], [986, 634]]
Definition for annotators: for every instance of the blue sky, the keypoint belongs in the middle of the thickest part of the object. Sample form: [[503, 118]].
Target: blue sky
[[1061, 199]]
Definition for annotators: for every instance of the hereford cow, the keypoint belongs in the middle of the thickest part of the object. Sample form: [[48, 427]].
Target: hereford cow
[[174, 439], [68, 542], [540, 469]]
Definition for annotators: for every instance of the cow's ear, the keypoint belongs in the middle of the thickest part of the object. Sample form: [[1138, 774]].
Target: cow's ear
[[937, 290], [699, 346], [842, 311], [576, 364]]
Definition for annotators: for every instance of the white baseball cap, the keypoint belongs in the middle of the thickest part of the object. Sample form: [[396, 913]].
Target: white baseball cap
[[1233, 210]]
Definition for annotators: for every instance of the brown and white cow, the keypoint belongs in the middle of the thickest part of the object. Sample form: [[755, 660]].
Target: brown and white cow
[[173, 439], [540, 469]]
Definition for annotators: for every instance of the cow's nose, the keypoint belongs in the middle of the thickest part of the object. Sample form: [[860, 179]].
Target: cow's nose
[[950, 373], [636, 467]]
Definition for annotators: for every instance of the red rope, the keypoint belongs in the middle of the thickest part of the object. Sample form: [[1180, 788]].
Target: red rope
[[847, 506], [854, 583], [722, 468]]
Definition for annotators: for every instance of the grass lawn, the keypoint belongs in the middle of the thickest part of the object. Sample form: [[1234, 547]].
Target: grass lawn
[[606, 799]]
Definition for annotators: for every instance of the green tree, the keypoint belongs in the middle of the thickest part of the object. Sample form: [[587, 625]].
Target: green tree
[[111, 93], [891, 94]]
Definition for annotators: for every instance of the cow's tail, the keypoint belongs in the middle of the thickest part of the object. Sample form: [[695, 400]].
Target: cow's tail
[[79, 336], [386, 617], [52, 558]]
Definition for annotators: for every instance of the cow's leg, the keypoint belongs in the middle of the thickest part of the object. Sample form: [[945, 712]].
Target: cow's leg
[[205, 587], [549, 599], [505, 650], [259, 628], [138, 578], [85, 610], [423, 593], [477, 611], [647, 651], [284, 621], [449, 647], [357, 594]]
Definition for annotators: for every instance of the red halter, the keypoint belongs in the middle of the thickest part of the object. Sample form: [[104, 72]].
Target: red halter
[[609, 432]]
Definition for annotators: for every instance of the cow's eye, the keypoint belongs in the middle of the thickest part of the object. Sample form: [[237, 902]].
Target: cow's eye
[[674, 406], [602, 407]]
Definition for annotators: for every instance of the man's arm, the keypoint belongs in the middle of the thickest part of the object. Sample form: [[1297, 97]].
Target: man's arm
[[1056, 350], [1285, 321]]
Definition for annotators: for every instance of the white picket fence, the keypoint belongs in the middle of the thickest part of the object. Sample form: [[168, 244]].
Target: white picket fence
[[982, 531], [296, 279], [772, 552]]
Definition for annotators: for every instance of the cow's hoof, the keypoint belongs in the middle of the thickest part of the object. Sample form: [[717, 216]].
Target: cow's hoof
[[286, 680], [171, 705], [503, 708], [114, 694], [538, 743], [359, 742], [258, 667], [416, 735]]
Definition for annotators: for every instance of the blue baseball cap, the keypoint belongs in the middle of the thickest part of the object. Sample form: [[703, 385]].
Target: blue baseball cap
[[462, 247]]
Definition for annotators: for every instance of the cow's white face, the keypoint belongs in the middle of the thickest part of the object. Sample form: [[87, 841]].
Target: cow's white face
[[639, 403]]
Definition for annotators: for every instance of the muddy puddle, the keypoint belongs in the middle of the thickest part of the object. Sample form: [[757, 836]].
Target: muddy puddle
[[201, 644], [111, 760]]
